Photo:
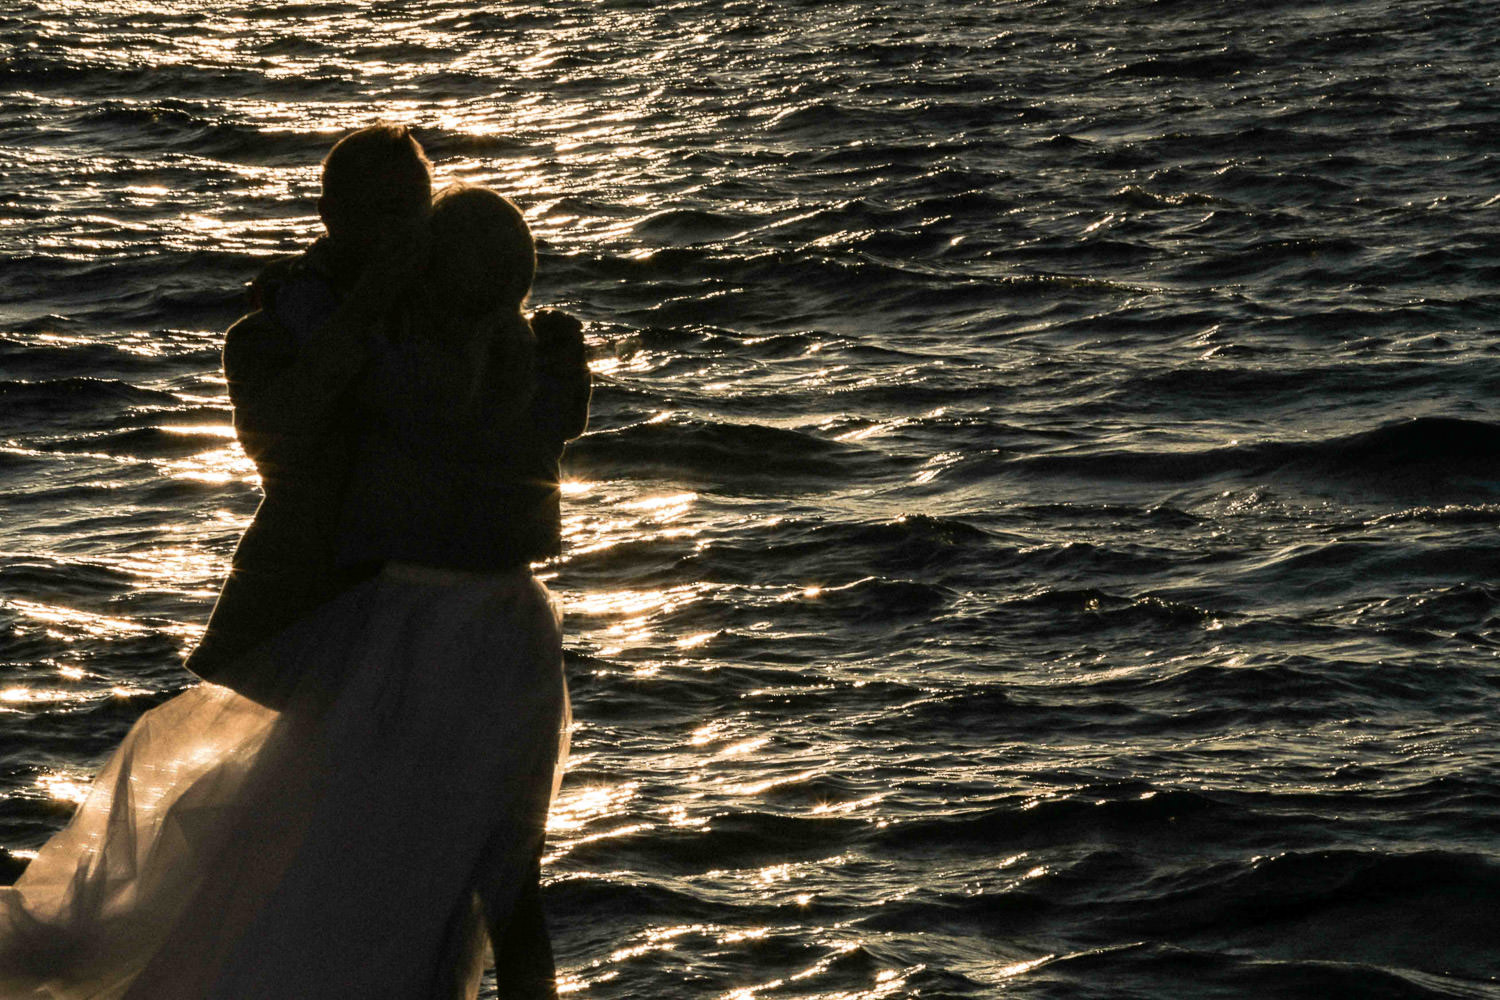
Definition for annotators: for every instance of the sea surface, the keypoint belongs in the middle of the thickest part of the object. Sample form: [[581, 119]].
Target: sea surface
[[1037, 534]]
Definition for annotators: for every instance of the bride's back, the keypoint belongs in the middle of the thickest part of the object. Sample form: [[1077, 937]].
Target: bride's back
[[452, 466]]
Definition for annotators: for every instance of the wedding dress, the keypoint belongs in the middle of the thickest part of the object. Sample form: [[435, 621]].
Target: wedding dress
[[229, 851]]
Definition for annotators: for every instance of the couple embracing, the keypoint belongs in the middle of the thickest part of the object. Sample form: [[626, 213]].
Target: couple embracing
[[358, 797]]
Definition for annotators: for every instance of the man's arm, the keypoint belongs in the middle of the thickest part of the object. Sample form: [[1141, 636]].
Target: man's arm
[[286, 389], [284, 397]]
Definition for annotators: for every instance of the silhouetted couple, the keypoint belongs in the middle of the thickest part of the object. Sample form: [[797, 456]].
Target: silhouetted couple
[[362, 791]]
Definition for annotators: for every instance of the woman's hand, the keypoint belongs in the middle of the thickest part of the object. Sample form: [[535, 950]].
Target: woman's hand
[[559, 340], [562, 359]]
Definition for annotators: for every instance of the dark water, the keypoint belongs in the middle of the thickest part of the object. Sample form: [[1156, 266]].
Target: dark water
[[1038, 534]]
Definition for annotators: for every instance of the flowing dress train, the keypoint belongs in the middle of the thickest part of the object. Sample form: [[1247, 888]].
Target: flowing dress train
[[228, 850]]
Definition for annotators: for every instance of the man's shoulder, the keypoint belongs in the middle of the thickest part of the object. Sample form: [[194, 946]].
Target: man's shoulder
[[262, 289], [313, 265], [297, 293], [257, 324], [254, 340]]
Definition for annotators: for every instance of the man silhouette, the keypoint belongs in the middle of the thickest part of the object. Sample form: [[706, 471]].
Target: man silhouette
[[289, 364]]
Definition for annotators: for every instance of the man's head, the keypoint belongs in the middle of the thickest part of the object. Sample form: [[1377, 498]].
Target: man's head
[[482, 257], [377, 189]]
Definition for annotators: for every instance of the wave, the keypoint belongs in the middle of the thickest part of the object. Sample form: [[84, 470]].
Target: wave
[[182, 126], [168, 292], [690, 225], [1456, 514], [1163, 970], [32, 361], [73, 400], [49, 74], [1200, 389], [1229, 60], [739, 839], [444, 143], [713, 454], [1081, 610], [1117, 811], [1316, 258], [794, 548], [1354, 906], [1439, 446], [874, 600], [817, 117], [1013, 913], [36, 578], [140, 442]]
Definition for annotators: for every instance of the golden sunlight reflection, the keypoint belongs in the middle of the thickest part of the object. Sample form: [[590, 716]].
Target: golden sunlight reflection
[[215, 466], [18, 694], [761, 787], [663, 507], [834, 947], [888, 982], [878, 429], [774, 873], [596, 535], [634, 602], [631, 632], [616, 516], [209, 225], [708, 732], [195, 230], [63, 787], [745, 747], [622, 831], [846, 808], [75, 620], [656, 938], [207, 430], [679, 816], [174, 566], [605, 366], [1016, 968], [576, 808], [936, 466], [521, 178]]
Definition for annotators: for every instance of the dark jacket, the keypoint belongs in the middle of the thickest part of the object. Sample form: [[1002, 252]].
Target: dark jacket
[[288, 373]]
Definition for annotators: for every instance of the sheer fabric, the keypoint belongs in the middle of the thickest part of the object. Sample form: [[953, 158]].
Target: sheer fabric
[[228, 850]]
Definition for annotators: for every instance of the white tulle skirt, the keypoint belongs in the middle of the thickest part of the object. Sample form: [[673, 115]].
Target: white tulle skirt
[[228, 851]]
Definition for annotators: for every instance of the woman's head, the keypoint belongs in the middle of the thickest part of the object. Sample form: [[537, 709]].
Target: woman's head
[[482, 257]]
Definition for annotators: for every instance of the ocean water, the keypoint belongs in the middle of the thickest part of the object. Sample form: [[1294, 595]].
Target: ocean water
[[1037, 535]]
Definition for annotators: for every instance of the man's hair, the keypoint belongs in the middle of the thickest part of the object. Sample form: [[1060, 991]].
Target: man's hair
[[379, 169], [483, 256]]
